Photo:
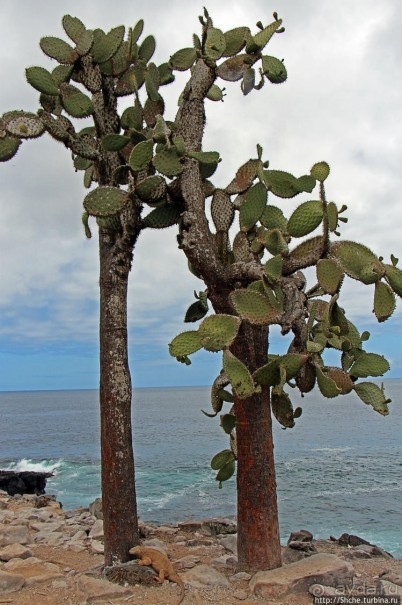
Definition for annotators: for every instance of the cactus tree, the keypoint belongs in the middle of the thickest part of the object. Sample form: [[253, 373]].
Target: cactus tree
[[252, 268]]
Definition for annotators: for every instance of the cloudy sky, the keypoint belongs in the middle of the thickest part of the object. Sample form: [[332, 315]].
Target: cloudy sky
[[342, 103]]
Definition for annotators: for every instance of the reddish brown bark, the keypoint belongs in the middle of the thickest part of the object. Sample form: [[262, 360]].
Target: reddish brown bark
[[118, 481], [257, 511]]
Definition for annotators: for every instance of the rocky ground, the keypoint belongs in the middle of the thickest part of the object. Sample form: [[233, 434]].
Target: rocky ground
[[49, 556]]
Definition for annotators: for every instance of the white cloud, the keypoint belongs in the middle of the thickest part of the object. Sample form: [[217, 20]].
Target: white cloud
[[341, 103]]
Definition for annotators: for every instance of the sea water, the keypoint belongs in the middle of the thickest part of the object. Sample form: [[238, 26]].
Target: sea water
[[338, 470]]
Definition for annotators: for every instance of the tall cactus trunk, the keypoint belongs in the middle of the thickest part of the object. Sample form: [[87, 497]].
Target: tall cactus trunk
[[118, 482], [257, 512]]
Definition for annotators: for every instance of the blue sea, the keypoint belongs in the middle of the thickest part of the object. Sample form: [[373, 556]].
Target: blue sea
[[338, 470]]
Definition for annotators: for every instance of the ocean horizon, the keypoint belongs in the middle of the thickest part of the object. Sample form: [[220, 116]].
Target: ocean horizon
[[338, 469]]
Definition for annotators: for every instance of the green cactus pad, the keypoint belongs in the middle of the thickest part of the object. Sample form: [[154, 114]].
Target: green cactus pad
[[233, 69], [151, 189], [137, 30], [329, 275], [222, 210], [228, 423], [132, 118], [244, 177], [106, 45], [269, 374], [327, 386], [320, 171], [217, 394], [220, 459], [393, 275], [24, 125], [306, 378], [273, 69], [61, 73], [282, 184], [226, 472], [81, 163], [147, 48], [273, 268], [238, 375], [195, 312], [152, 109], [163, 216], [85, 222], [215, 43], [262, 38], [371, 273], [353, 257], [141, 155], [166, 75], [235, 41], [282, 409], [273, 218], [341, 378], [369, 364], [215, 93], [75, 102], [58, 49], [73, 27], [253, 307], [185, 343], [183, 59], [8, 148], [373, 395], [109, 223], [304, 255], [241, 248], [114, 142], [40, 79], [332, 213], [273, 241], [305, 183], [218, 331], [307, 217], [253, 206], [106, 201], [167, 162], [85, 42]]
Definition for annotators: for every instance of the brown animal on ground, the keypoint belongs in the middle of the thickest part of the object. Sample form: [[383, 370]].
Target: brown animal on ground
[[160, 563]]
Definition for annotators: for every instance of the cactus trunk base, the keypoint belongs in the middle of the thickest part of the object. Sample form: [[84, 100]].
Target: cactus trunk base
[[257, 512]]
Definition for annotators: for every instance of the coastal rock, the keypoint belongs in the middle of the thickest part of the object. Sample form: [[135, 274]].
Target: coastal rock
[[306, 547], [393, 577], [96, 532], [204, 575], [14, 551], [10, 582], [351, 540], [34, 570], [300, 536], [95, 508], [155, 543], [14, 534], [229, 543], [384, 587], [100, 590], [24, 482], [325, 569]]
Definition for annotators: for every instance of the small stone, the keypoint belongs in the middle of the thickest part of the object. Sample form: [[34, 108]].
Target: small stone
[[10, 582], [14, 551], [96, 590], [169, 531], [241, 595], [187, 562], [97, 547], [221, 562], [16, 534], [97, 530], [204, 575], [199, 542], [229, 543], [240, 576]]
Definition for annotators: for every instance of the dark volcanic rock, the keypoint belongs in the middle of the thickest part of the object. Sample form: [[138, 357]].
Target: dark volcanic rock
[[23, 482]]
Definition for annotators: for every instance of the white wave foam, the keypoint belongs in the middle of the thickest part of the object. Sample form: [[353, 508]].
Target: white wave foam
[[42, 466]]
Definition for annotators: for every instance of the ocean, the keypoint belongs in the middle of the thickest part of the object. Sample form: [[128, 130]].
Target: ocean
[[338, 470]]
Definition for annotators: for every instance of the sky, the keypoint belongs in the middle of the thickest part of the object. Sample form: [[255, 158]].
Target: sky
[[342, 103]]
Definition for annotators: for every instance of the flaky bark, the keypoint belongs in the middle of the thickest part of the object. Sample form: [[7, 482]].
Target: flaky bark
[[118, 482]]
